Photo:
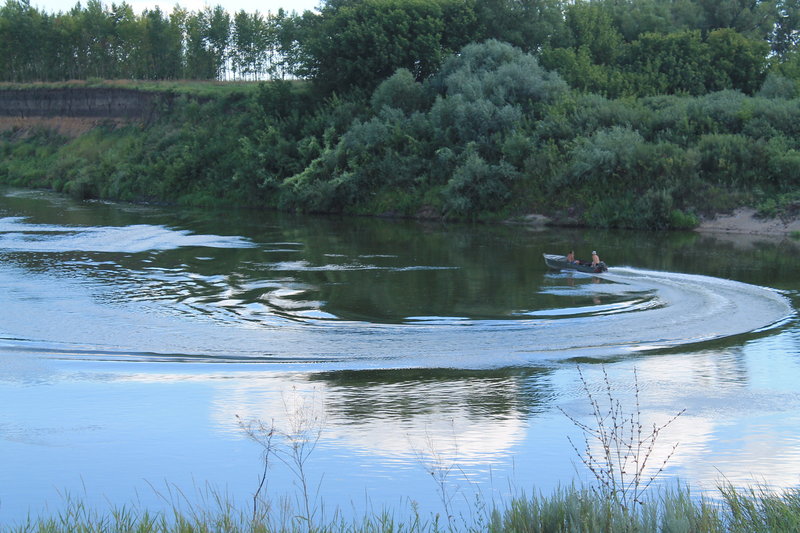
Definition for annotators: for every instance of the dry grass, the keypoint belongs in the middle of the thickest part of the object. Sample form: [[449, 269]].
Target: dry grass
[[69, 127], [200, 88]]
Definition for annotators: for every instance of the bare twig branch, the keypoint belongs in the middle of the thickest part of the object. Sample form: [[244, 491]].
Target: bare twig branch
[[626, 449]]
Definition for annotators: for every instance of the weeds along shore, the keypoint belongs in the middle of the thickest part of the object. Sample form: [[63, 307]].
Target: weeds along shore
[[569, 508]]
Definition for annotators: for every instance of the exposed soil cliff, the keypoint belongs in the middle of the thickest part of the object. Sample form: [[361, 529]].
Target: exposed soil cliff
[[83, 102], [72, 111]]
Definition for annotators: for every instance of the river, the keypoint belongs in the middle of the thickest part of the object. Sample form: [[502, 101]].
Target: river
[[434, 362]]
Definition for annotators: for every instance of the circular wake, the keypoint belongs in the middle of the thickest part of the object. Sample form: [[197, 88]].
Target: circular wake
[[649, 310], [154, 292], [682, 309]]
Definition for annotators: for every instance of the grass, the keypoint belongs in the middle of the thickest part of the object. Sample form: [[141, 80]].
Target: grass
[[567, 509], [205, 88]]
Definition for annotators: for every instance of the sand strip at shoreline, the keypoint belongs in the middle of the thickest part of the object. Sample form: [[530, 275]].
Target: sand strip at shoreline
[[743, 220]]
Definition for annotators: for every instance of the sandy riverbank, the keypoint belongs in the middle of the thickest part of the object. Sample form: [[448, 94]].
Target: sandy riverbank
[[744, 221]]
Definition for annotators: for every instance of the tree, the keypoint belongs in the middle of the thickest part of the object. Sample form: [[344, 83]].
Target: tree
[[358, 43], [199, 59], [400, 91], [21, 37], [754, 18], [218, 34], [161, 46], [786, 35], [669, 63], [738, 62], [98, 35], [285, 32], [245, 38], [527, 24], [126, 40], [590, 25], [633, 18]]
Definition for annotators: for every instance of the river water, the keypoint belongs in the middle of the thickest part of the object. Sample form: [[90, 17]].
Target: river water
[[435, 363]]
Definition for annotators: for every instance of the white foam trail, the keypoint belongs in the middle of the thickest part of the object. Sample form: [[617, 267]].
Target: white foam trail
[[18, 236], [692, 308]]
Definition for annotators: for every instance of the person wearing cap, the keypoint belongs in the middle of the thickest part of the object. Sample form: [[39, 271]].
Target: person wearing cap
[[595, 258]]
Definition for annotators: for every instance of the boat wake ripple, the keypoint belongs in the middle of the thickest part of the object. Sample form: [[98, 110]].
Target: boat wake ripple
[[649, 310]]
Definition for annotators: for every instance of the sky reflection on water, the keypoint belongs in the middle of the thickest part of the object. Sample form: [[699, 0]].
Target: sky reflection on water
[[132, 338]]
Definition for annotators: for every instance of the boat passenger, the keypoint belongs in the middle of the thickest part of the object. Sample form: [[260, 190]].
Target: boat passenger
[[571, 257], [595, 258]]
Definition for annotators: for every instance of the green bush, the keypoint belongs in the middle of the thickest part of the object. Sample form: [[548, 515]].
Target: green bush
[[477, 186], [729, 159], [603, 160], [777, 86], [400, 91], [785, 205], [680, 220]]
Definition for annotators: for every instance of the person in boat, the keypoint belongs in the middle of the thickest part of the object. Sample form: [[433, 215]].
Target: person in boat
[[595, 258], [571, 257]]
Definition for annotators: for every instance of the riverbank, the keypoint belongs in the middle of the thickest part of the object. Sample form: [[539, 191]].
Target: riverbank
[[745, 221], [279, 145]]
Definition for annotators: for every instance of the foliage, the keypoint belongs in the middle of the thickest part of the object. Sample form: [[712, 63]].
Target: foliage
[[639, 135], [738, 62], [499, 73], [785, 206], [103, 41], [373, 38], [528, 25], [670, 63], [400, 91], [457, 121], [612, 47], [478, 186], [777, 86]]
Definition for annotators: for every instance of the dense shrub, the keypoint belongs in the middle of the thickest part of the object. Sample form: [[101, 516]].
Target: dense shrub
[[477, 186], [400, 91]]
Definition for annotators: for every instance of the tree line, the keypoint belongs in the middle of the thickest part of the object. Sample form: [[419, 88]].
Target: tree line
[[113, 42], [611, 47]]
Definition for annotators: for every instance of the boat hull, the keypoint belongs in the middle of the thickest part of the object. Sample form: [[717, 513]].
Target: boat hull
[[559, 262]]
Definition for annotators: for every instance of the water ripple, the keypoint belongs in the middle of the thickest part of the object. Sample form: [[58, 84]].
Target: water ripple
[[17, 235], [683, 309], [128, 294]]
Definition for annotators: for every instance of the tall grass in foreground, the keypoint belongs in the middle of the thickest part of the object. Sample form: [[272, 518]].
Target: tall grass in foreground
[[568, 509]]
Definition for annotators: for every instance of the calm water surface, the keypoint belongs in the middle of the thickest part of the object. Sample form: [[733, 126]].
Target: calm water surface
[[134, 340]]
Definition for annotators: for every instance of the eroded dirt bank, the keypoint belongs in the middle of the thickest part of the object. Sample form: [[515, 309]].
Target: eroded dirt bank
[[81, 102], [72, 111]]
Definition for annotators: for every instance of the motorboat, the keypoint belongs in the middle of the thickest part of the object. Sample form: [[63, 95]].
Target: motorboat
[[560, 262]]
